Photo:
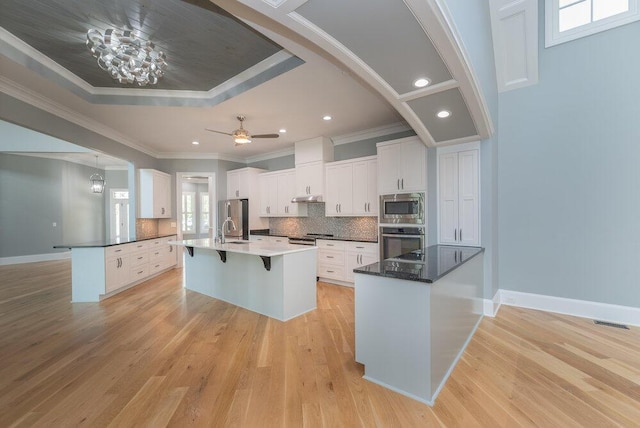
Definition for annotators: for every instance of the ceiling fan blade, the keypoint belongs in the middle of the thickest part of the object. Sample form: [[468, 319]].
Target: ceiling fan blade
[[265, 136], [218, 132]]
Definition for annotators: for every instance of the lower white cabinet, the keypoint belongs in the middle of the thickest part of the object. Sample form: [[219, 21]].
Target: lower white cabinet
[[127, 264], [337, 259]]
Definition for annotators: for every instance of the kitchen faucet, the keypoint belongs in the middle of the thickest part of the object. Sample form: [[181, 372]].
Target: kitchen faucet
[[224, 224]]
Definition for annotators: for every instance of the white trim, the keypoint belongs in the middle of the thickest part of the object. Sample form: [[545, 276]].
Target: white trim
[[459, 148], [34, 258], [429, 90], [577, 308], [271, 155], [188, 155], [553, 37], [366, 134], [490, 307], [397, 141]]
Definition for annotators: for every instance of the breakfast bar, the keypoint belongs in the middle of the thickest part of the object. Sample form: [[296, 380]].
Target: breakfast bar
[[274, 279]]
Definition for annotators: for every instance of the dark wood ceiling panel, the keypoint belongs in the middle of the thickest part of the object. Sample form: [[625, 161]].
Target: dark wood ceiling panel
[[205, 46]]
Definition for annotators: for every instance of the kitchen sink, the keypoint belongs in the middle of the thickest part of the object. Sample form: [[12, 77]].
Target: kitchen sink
[[237, 242]]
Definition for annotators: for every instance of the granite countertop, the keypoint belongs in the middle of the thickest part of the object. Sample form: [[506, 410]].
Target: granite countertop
[[264, 249], [330, 238], [111, 242], [426, 265]]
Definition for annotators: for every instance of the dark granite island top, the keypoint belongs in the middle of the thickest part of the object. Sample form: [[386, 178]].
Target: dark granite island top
[[426, 265], [111, 242]]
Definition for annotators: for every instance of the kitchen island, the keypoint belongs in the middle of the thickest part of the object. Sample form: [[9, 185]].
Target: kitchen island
[[415, 315], [271, 278]]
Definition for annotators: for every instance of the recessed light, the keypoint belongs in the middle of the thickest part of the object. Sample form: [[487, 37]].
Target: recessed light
[[421, 82], [283, 131], [195, 143], [327, 117], [442, 114]]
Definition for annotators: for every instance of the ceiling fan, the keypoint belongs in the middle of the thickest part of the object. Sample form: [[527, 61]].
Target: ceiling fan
[[241, 136]]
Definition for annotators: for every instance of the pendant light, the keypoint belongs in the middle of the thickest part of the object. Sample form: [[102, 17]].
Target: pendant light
[[97, 181]]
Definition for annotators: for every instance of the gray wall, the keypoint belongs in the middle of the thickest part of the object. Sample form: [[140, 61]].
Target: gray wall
[[569, 172], [35, 193], [275, 164]]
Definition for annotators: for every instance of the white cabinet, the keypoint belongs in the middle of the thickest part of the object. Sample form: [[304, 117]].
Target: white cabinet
[[154, 194], [339, 189], [402, 166], [244, 183], [458, 196], [310, 179], [359, 254], [276, 191], [351, 188], [116, 273], [365, 188], [337, 259]]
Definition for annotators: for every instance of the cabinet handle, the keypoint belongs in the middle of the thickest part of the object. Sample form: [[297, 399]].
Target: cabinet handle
[[329, 245], [398, 184], [402, 182], [460, 235], [140, 272], [340, 206], [171, 248], [455, 257], [329, 257], [358, 259], [140, 258], [359, 247], [336, 207], [455, 234], [330, 271]]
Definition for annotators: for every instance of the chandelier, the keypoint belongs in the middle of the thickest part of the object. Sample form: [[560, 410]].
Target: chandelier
[[97, 181], [127, 57]]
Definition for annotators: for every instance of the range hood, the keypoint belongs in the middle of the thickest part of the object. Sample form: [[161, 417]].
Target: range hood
[[307, 198]]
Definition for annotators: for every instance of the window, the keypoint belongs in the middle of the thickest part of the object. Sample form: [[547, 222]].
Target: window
[[204, 213], [188, 212], [567, 20]]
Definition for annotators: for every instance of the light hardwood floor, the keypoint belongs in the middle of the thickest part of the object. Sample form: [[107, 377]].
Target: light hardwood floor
[[158, 355]]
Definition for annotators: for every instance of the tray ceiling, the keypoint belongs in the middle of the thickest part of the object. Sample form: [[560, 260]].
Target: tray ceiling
[[198, 37]]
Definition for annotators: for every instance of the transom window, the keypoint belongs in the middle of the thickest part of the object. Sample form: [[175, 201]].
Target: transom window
[[571, 19]]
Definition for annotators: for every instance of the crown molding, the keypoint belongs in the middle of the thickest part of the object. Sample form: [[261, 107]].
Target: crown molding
[[30, 97], [271, 155], [199, 156], [366, 134], [429, 90]]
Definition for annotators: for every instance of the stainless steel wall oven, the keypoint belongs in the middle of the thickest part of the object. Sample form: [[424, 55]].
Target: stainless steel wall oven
[[395, 241]]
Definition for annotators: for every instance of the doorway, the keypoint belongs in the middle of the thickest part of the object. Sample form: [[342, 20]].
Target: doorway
[[196, 202], [119, 213]]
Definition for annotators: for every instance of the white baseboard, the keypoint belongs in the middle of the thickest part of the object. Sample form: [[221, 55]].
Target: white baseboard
[[579, 308], [34, 258], [491, 307]]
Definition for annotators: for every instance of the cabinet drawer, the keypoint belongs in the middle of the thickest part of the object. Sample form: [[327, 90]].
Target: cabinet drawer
[[159, 253], [136, 273], [333, 272], [138, 258], [330, 245], [156, 266], [330, 257], [362, 247], [116, 251], [138, 246]]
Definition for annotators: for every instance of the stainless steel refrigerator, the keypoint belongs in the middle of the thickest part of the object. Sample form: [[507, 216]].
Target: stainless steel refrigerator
[[238, 211]]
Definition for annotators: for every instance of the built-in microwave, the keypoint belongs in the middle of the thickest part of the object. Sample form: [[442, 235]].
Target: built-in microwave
[[402, 208]]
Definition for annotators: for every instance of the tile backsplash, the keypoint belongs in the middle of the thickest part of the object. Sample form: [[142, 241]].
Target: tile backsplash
[[316, 222], [146, 227]]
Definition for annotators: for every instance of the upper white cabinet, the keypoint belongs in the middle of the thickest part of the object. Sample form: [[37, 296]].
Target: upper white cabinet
[[310, 179], [351, 188], [310, 157], [155, 194], [365, 187], [276, 191], [402, 166], [243, 183], [339, 194], [459, 195]]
